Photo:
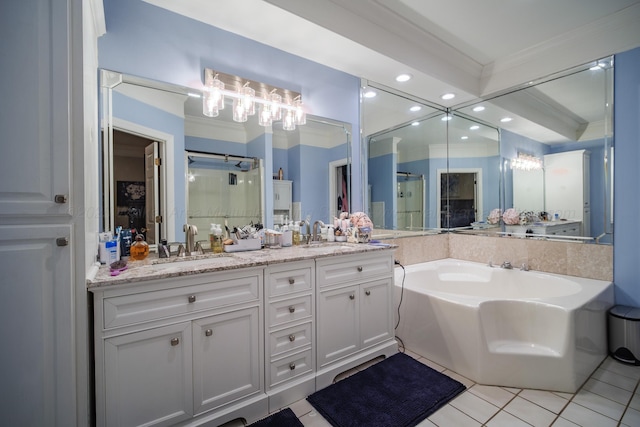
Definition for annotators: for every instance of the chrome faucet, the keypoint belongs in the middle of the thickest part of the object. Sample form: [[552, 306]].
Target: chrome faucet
[[316, 237], [190, 236], [507, 265], [306, 223]]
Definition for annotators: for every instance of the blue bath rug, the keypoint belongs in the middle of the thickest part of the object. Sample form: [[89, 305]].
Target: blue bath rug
[[397, 392], [284, 418]]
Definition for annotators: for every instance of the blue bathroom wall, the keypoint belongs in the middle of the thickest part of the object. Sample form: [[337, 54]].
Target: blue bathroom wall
[[626, 265], [148, 41]]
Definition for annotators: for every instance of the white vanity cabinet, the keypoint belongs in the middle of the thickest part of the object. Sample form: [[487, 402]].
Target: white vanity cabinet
[[282, 197], [355, 316], [289, 332], [169, 350]]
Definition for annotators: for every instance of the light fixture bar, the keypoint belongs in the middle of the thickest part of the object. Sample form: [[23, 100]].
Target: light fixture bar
[[246, 93], [526, 162]]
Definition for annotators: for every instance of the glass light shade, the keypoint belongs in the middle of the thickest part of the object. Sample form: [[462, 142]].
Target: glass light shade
[[276, 101], [264, 119], [209, 107], [300, 115], [249, 95], [239, 110], [289, 121]]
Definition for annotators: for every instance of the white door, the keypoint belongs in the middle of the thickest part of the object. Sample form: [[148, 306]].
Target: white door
[[148, 377], [338, 324], [226, 358], [36, 325], [152, 204]]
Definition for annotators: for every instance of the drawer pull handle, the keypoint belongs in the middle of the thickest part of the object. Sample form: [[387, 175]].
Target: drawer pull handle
[[367, 293], [192, 298], [175, 342], [292, 338], [291, 281], [352, 296], [292, 366], [359, 268], [208, 332], [292, 309]]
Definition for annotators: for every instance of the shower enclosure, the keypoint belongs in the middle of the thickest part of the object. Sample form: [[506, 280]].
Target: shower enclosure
[[410, 201], [223, 189]]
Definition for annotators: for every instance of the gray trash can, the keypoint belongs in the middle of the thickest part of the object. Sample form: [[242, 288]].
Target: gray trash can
[[624, 334]]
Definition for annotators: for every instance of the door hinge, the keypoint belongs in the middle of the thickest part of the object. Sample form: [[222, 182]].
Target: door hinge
[[158, 219], [157, 161]]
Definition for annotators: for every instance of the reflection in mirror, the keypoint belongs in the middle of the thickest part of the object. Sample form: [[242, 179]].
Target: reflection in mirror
[[223, 190], [473, 175], [564, 123], [168, 120], [406, 141], [314, 158]]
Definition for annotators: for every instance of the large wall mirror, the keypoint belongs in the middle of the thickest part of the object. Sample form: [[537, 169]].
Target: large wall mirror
[[540, 156], [165, 164], [556, 149]]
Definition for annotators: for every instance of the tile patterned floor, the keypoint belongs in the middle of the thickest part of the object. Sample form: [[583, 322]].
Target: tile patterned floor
[[609, 398]]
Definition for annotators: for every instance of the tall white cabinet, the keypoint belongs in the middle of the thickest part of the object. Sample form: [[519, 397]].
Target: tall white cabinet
[[42, 213], [282, 198], [567, 187]]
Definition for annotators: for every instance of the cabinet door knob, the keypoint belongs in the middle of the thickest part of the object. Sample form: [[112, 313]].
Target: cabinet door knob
[[292, 338], [60, 198], [360, 268], [62, 241], [292, 309], [175, 342], [291, 281], [192, 298], [367, 293], [352, 296], [208, 332], [292, 366]]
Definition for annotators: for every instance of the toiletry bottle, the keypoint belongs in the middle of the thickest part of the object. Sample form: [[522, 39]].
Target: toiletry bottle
[[139, 250], [280, 174], [163, 249], [330, 234], [217, 247], [296, 233]]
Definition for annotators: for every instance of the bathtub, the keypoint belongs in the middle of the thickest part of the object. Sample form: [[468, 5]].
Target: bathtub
[[512, 328]]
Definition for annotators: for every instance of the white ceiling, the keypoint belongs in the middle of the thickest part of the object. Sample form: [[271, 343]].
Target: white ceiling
[[470, 47]]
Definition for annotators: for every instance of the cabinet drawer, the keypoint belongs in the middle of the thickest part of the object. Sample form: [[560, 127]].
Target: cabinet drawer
[[146, 306], [290, 367], [288, 281], [336, 270], [290, 309], [290, 339]]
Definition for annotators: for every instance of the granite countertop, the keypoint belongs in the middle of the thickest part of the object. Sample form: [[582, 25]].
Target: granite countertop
[[161, 268]]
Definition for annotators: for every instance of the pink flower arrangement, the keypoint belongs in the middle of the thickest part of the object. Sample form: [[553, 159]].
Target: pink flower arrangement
[[494, 216], [511, 216]]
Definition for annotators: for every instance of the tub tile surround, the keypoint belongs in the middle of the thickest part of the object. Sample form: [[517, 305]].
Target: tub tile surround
[[572, 259]]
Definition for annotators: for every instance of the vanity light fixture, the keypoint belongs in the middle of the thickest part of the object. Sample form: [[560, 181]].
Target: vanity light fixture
[[478, 108], [526, 162], [274, 102], [403, 77]]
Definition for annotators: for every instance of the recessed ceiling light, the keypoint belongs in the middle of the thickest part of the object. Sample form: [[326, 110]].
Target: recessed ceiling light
[[506, 119], [403, 77], [478, 108], [447, 96], [415, 108], [446, 118], [464, 137], [415, 124], [474, 127], [370, 94], [194, 95]]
